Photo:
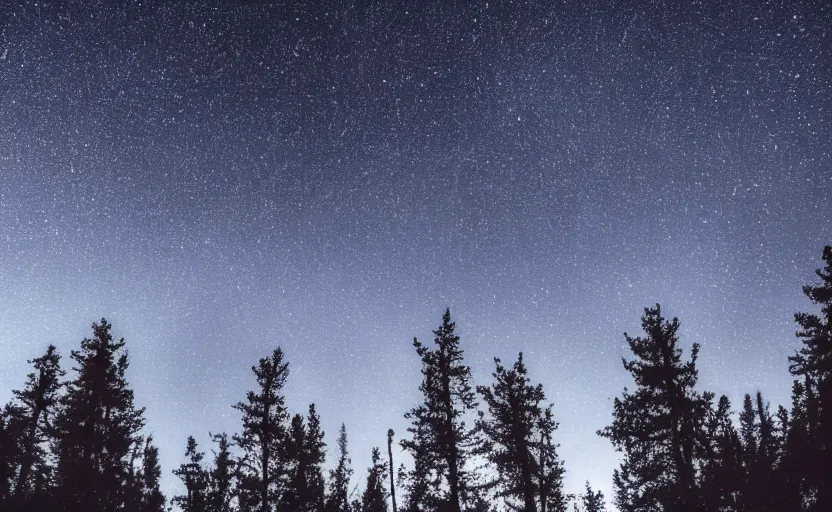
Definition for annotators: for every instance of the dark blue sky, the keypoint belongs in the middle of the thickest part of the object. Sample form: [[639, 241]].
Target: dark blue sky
[[220, 181]]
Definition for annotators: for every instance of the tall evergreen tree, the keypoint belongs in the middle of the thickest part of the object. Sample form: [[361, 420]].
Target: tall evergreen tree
[[441, 442], [194, 478], [38, 400], [339, 477], [659, 426], [723, 470], [798, 453], [550, 468], [314, 457], [221, 476], [374, 498], [592, 501], [262, 468], [152, 499], [518, 440], [814, 361], [97, 427]]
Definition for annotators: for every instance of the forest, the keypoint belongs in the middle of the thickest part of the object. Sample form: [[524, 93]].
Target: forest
[[75, 441]]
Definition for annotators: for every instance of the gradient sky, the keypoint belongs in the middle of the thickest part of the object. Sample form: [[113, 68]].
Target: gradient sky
[[218, 181]]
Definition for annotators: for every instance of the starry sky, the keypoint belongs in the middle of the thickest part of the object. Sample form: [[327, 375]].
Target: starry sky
[[221, 179]]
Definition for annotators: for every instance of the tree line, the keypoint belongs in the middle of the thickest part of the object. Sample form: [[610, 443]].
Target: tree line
[[78, 444]]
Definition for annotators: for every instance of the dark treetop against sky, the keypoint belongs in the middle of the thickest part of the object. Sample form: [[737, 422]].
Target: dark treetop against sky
[[217, 181]]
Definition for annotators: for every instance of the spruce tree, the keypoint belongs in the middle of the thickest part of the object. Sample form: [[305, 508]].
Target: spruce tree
[[315, 455], [339, 477], [814, 362], [262, 468], [97, 428], [221, 476], [296, 491], [659, 426], [518, 440], [592, 501], [722, 472], [374, 498], [152, 499], [550, 467], [441, 442], [38, 399], [194, 478]]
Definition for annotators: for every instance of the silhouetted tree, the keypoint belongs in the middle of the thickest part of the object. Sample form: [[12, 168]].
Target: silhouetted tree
[[441, 443], [374, 498], [814, 361], [304, 456], [195, 479], [152, 499], [592, 501], [798, 452], [723, 471], [221, 476], [659, 426], [315, 456], [261, 470], [97, 428], [38, 400], [518, 440], [339, 477]]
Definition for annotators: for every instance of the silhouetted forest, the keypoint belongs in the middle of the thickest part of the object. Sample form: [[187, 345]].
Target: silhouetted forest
[[74, 441]]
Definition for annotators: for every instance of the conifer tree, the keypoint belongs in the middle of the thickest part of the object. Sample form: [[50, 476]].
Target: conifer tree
[[194, 478], [592, 501], [262, 468], [550, 467], [314, 457], [441, 442], [374, 498], [97, 427], [658, 427], [221, 476], [814, 362], [339, 477], [723, 471], [518, 440], [38, 401], [152, 499], [296, 492]]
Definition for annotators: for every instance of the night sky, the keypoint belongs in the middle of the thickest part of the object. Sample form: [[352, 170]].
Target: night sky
[[219, 181]]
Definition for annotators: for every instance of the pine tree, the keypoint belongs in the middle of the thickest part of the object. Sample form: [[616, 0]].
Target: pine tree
[[723, 471], [38, 399], [12, 432], [315, 455], [659, 426], [593, 501], [297, 486], [221, 476], [195, 479], [550, 467], [814, 361], [441, 443], [152, 499], [262, 468], [518, 440], [98, 427], [339, 478], [374, 498]]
